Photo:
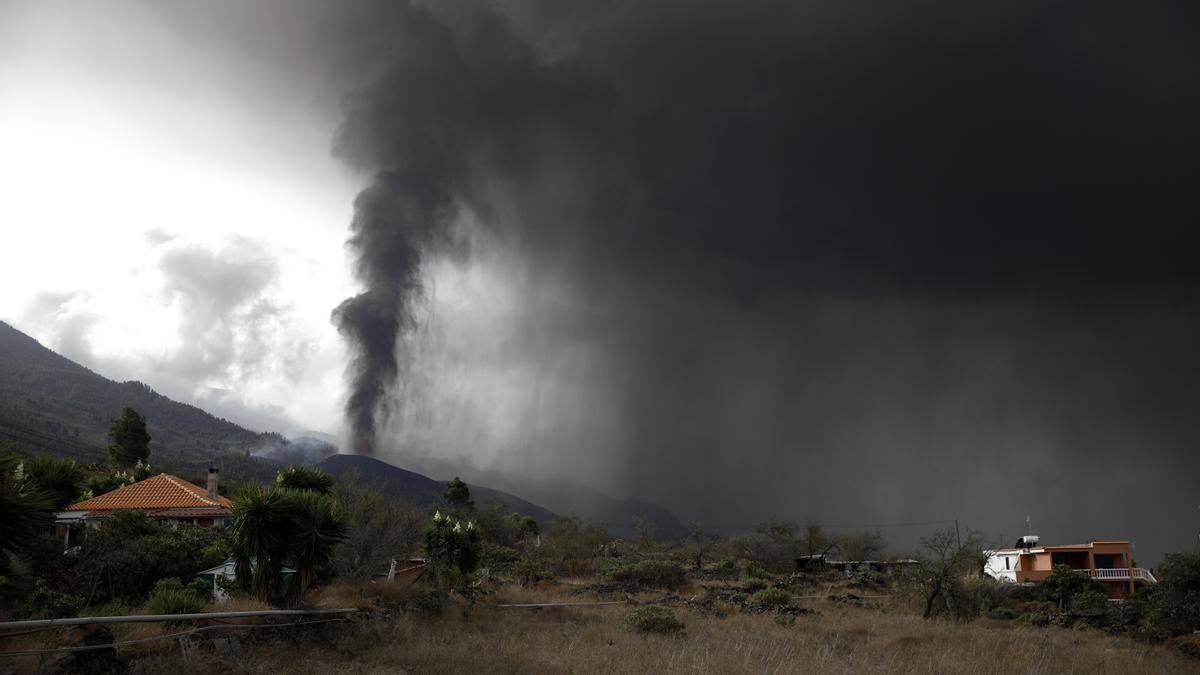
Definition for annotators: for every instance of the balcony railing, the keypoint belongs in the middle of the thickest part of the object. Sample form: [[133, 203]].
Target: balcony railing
[[1123, 573]]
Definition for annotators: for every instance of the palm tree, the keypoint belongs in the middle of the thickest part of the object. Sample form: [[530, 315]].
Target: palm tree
[[302, 477], [25, 512], [260, 529], [317, 528], [62, 479]]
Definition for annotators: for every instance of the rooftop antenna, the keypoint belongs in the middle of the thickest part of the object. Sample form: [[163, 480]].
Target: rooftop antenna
[[1029, 525]]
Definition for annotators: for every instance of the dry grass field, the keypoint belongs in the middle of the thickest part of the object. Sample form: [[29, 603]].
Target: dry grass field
[[719, 638], [836, 638]]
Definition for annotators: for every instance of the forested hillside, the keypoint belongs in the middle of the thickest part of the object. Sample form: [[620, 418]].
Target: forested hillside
[[51, 404]]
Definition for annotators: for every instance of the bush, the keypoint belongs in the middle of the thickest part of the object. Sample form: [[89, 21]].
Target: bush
[[1090, 603], [530, 571], [785, 619], [1002, 614], [48, 603], [771, 597], [496, 556], [1175, 603], [1064, 583], [571, 546], [753, 585], [171, 596], [124, 557], [869, 579], [654, 573], [755, 571], [1034, 619], [654, 619]]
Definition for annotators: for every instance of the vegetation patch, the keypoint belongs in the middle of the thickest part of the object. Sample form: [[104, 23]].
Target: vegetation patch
[[771, 597], [654, 619], [754, 585], [172, 596], [652, 573]]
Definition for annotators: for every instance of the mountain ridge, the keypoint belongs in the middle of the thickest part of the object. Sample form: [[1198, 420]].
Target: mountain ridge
[[51, 404]]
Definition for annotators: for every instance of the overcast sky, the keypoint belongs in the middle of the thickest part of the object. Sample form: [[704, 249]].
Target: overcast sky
[[856, 262], [171, 211]]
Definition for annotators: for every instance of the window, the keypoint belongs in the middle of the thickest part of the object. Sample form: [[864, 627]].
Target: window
[[1007, 563]]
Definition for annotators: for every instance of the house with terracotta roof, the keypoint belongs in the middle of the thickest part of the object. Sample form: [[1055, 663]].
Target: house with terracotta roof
[[163, 497], [1109, 562]]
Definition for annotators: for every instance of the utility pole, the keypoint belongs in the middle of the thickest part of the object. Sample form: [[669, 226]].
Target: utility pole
[[956, 535]]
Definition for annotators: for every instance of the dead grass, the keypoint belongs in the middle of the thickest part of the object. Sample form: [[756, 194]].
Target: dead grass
[[836, 639]]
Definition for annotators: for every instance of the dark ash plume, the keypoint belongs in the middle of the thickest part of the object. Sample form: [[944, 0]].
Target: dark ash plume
[[443, 114], [394, 219]]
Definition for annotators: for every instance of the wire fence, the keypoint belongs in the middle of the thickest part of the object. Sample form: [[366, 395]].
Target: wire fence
[[41, 625]]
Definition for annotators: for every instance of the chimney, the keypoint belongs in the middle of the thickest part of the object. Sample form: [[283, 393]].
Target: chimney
[[212, 482]]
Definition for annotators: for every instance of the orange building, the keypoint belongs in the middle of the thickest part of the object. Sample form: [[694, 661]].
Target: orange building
[[1109, 562], [166, 498]]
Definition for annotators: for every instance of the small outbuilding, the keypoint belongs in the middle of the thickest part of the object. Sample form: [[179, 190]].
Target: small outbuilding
[[226, 574]]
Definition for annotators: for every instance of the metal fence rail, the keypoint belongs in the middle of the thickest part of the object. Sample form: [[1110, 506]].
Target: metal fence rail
[[145, 618]]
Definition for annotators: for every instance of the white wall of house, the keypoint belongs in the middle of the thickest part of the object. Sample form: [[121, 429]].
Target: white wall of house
[[1002, 565]]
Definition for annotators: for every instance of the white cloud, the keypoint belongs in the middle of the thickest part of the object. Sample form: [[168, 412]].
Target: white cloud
[[156, 225]]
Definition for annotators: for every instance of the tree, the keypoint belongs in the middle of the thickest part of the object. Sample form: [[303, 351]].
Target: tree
[[773, 545], [1175, 602], [130, 440], [1065, 583], [571, 546], [380, 529], [699, 544], [816, 541], [271, 527], [317, 528], [260, 531], [454, 548], [944, 564], [458, 496], [302, 477], [25, 512], [863, 546], [644, 540]]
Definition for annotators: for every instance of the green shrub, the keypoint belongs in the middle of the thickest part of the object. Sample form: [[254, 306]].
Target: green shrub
[[1064, 583], [753, 585], [529, 571], [1034, 619], [869, 578], [1175, 601], [771, 597], [1002, 613], [51, 604], [756, 571], [655, 573], [499, 556], [785, 619], [143, 552], [1090, 603], [171, 596], [654, 619]]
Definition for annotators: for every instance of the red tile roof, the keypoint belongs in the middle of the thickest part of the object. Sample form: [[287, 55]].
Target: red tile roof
[[163, 491]]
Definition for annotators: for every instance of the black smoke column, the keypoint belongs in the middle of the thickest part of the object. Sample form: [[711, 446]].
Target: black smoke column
[[394, 219]]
